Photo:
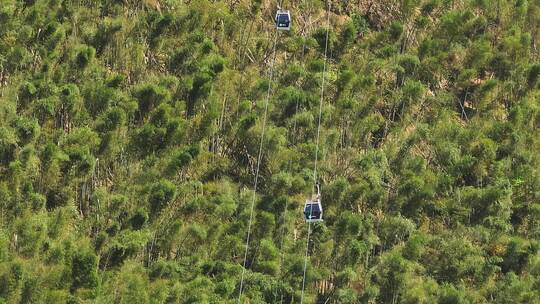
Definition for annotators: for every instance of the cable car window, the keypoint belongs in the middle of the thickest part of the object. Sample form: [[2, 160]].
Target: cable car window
[[314, 208]]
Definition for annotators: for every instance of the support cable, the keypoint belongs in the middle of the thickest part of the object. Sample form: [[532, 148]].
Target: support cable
[[317, 145], [259, 157]]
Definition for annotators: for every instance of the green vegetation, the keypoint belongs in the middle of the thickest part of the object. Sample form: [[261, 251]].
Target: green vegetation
[[130, 133]]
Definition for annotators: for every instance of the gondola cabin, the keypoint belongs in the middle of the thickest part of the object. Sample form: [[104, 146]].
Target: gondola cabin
[[283, 20], [313, 211]]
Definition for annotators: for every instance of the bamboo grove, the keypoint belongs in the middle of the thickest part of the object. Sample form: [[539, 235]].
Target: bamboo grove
[[129, 133]]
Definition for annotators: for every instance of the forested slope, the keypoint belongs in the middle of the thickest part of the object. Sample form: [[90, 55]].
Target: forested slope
[[130, 131]]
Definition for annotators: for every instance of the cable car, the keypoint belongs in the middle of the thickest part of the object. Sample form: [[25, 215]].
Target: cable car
[[283, 20], [313, 211]]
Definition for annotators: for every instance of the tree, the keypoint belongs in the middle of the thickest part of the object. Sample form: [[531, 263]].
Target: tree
[[84, 270], [161, 193]]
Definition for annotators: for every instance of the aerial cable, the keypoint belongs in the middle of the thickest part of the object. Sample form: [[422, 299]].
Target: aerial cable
[[317, 144], [255, 183], [284, 216], [293, 142]]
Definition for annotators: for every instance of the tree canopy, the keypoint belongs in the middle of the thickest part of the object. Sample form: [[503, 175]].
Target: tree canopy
[[129, 145]]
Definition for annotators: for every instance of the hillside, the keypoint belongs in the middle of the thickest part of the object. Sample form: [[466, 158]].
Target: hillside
[[144, 144]]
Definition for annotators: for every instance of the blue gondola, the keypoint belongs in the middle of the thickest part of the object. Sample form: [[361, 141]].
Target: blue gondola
[[283, 20], [313, 211]]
